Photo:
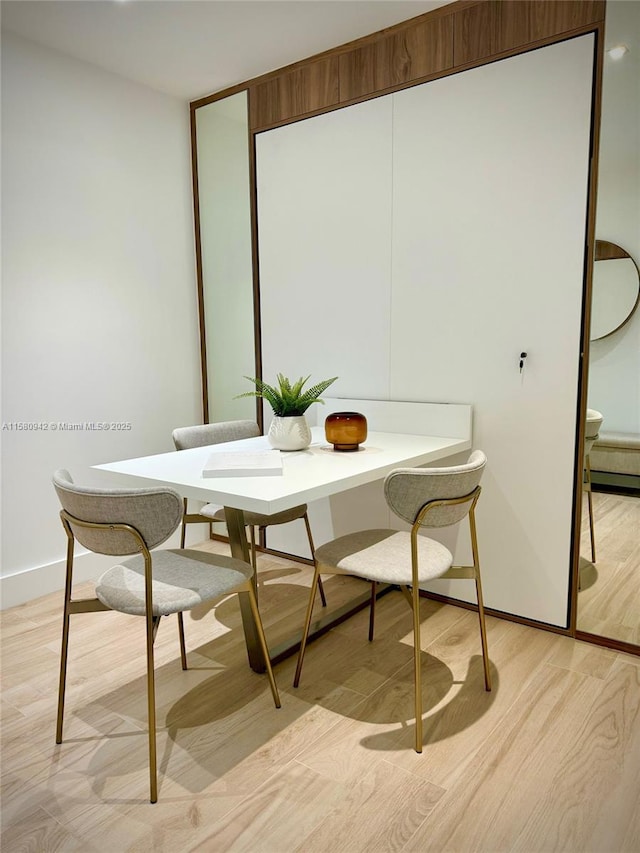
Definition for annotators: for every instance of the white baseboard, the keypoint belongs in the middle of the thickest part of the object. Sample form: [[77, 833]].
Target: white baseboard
[[31, 583], [41, 580]]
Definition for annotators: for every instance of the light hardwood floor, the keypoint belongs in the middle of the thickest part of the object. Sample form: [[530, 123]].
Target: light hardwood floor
[[609, 598], [549, 761]]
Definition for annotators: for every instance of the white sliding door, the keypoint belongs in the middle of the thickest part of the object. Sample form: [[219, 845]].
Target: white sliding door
[[324, 218], [490, 203], [415, 245]]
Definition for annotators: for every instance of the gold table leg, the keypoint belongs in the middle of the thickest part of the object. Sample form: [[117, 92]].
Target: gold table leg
[[240, 550]]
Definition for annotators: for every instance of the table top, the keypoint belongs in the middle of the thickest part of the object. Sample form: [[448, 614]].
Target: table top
[[308, 475]]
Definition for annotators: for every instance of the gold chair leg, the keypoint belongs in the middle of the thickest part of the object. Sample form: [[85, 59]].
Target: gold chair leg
[[483, 627], [183, 648], [416, 665], [323, 597], [483, 633], [372, 610], [254, 559], [183, 531], [307, 626], [151, 708], [407, 595], [263, 645], [64, 649], [63, 674], [590, 503], [313, 557]]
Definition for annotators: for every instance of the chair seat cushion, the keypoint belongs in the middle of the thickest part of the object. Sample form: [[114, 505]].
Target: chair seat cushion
[[256, 519], [383, 555], [182, 578]]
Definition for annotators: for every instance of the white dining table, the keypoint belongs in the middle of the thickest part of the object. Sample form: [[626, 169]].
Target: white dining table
[[307, 475]]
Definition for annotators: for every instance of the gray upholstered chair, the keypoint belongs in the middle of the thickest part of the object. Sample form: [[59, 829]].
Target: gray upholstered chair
[[203, 435], [120, 522], [592, 429], [424, 497]]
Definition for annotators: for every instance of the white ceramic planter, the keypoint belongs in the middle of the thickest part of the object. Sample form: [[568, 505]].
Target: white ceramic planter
[[291, 433]]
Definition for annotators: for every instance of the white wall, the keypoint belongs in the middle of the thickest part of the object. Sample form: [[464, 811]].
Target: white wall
[[614, 372], [99, 320]]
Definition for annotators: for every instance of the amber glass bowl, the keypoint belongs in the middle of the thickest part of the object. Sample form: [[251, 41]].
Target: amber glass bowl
[[345, 430]]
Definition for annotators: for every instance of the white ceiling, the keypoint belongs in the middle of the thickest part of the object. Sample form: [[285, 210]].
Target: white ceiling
[[191, 48]]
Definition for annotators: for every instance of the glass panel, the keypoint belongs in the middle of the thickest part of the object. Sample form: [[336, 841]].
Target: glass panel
[[222, 144], [608, 602], [615, 295]]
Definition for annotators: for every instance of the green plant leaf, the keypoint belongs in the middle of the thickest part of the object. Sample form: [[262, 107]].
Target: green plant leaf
[[312, 395], [287, 399]]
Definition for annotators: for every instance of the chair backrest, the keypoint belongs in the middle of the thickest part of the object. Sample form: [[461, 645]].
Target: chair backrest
[[593, 423], [202, 435], [155, 513], [407, 490]]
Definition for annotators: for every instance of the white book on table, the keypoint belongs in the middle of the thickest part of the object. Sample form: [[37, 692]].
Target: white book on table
[[243, 463]]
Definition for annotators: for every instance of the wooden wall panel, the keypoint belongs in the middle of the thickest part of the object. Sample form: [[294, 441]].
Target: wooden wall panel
[[606, 251], [524, 23], [358, 72], [304, 90], [463, 34], [549, 17], [513, 25], [474, 32], [401, 57], [503, 25]]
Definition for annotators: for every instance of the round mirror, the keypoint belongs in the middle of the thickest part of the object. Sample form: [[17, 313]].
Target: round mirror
[[616, 289]]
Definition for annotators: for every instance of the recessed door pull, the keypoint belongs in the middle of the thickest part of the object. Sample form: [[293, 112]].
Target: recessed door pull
[[523, 355]]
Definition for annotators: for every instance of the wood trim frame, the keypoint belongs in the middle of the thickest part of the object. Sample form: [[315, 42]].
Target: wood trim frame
[[583, 374], [450, 39], [257, 314], [199, 279], [608, 643], [607, 251]]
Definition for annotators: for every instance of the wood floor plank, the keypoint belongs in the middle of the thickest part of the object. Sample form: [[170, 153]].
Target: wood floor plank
[[590, 768], [582, 657], [456, 727], [634, 660], [24, 774], [530, 785], [139, 827], [394, 622], [380, 812], [632, 838], [122, 814], [242, 751], [548, 761], [359, 666], [277, 814], [609, 597], [38, 831], [13, 624]]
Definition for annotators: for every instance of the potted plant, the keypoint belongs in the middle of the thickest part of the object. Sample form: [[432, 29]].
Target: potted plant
[[289, 429]]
